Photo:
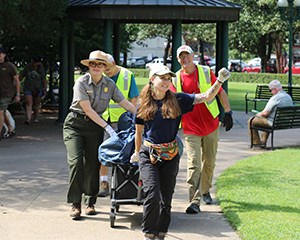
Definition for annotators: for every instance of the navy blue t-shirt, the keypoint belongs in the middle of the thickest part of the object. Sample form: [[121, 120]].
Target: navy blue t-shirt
[[160, 130]]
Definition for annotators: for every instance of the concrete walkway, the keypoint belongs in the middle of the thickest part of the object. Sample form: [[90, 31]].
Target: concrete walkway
[[34, 182]]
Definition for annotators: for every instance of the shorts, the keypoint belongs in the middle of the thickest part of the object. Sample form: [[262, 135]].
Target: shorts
[[4, 102], [30, 93]]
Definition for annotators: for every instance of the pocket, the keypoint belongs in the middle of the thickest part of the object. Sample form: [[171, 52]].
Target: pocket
[[104, 100], [167, 155], [91, 95]]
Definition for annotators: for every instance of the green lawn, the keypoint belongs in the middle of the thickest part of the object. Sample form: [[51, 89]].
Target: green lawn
[[260, 195], [236, 93]]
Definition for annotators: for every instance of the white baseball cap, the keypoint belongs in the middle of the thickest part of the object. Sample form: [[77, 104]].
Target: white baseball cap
[[184, 48], [160, 70]]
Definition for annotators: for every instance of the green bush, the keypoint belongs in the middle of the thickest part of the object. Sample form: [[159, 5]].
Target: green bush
[[140, 73], [263, 78], [258, 78]]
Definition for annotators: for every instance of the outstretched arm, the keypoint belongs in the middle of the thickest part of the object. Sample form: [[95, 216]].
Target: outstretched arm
[[209, 95]]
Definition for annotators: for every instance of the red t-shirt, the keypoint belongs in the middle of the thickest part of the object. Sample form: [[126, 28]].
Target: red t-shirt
[[199, 122]]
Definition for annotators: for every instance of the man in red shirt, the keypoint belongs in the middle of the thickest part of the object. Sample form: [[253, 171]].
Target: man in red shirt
[[200, 127]]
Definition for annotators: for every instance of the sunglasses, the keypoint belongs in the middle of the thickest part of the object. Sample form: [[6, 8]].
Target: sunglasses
[[96, 64]]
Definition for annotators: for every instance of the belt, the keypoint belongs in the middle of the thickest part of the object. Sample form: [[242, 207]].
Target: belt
[[147, 143], [77, 114]]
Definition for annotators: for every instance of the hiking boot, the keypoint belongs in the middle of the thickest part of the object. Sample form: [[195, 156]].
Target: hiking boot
[[207, 198], [193, 209], [90, 210], [149, 236], [104, 189], [75, 210]]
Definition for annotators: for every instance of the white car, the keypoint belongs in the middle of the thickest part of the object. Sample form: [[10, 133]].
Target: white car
[[255, 61], [135, 62], [158, 61]]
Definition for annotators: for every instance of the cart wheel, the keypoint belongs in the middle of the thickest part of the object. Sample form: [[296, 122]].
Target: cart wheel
[[112, 220], [112, 216]]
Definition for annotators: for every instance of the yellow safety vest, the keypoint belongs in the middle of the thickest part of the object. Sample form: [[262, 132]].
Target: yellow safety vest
[[204, 85], [114, 110]]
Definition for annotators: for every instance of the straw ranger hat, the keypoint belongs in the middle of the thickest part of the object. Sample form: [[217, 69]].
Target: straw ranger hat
[[95, 56]]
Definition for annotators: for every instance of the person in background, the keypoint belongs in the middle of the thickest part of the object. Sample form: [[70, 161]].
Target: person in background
[[156, 148], [34, 88], [265, 118], [200, 127], [9, 125], [125, 81], [83, 131], [9, 87]]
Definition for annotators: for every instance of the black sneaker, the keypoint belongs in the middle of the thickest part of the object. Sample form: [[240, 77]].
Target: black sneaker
[[207, 198], [193, 209]]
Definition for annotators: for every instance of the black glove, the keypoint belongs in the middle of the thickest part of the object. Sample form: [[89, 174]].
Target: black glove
[[227, 121]]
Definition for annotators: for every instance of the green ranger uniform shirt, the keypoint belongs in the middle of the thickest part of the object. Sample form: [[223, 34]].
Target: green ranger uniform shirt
[[99, 95]]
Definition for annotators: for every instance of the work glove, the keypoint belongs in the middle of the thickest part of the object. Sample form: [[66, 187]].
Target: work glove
[[223, 75], [110, 130], [135, 157], [227, 121]]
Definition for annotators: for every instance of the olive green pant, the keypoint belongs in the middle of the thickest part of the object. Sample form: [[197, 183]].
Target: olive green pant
[[82, 138], [201, 152]]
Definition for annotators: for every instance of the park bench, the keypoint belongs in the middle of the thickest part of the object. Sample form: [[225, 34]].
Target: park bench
[[263, 94], [285, 118]]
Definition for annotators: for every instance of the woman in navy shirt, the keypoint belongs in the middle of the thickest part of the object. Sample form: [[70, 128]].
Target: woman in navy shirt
[[157, 122]]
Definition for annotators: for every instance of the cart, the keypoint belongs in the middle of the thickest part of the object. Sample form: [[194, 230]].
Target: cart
[[126, 184], [126, 188]]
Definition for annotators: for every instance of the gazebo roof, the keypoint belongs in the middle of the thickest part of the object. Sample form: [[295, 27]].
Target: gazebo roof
[[154, 11]]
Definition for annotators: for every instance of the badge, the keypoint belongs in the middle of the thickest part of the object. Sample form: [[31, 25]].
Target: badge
[[106, 89]]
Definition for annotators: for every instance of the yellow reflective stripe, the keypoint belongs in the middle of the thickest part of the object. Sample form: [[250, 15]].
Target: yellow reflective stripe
[[126, 80], [114, 106], [206, 73]]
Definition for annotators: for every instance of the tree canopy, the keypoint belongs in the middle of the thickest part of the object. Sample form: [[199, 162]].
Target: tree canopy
[[33, 27]]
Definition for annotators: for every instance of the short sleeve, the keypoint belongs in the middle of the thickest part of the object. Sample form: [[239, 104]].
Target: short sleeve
[[133, 91], [185, 102]]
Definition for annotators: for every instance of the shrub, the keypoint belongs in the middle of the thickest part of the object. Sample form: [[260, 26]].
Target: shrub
[[263, 78], [240, 77]]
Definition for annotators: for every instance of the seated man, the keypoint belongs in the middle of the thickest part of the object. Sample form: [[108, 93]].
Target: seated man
[[265, 118]]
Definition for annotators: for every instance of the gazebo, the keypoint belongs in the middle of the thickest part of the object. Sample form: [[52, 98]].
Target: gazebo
[[116, 12]]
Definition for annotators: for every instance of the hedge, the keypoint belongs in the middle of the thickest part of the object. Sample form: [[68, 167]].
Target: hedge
[[263, 78], [241, 77]]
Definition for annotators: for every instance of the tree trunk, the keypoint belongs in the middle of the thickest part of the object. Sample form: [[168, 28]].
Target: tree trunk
[[280, 59]]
